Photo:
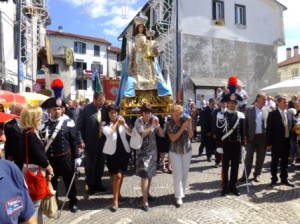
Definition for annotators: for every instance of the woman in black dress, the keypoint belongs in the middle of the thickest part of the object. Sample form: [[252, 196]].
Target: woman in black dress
[[117, 149], [162, 144]]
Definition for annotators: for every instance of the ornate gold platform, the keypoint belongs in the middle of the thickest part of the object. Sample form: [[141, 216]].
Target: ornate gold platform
[[161, 105]]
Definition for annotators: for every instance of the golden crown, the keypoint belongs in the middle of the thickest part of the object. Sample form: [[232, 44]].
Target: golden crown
[[140, 19]]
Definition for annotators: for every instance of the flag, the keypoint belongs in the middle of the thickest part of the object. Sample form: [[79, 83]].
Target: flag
[[98, 87], [184, 90]]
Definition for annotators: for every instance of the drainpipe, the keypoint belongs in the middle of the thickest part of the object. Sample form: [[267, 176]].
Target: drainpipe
[[107, 61]]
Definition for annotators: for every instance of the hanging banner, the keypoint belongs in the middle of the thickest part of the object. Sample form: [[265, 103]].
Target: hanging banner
[[110, 88]]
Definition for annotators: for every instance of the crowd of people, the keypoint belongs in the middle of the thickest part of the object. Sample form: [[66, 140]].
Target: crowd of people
[[268, 124], [55, 145], [54, 139]]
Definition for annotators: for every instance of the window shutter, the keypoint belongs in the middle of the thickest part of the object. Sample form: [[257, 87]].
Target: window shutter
[[214, 16], [222, 11], [75, 47], [235, 14], [244, 15], [83, 48]]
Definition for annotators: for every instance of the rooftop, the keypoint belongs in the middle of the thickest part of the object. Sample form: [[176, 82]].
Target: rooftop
[[292, 60], [64, 34], [114, 49]]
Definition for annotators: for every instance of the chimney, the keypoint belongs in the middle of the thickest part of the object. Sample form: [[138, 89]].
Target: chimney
[[60, 29], [296, 52], [288, 53]]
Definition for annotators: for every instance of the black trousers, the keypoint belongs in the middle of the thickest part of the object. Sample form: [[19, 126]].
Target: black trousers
[[283, 155], [231, 157], [94, 168], [63, 166], [210, 145]]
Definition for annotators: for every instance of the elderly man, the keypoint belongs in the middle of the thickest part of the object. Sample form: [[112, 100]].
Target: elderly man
[[255, 137], [293, 101], [278, 141]]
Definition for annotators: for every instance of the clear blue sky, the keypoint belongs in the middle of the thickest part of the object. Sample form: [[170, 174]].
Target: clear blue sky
[[103, 18]]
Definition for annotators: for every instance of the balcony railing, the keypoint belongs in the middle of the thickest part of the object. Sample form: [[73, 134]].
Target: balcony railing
[[85, 74]]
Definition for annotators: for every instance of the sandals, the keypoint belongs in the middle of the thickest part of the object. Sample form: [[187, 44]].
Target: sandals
[[164, 170]]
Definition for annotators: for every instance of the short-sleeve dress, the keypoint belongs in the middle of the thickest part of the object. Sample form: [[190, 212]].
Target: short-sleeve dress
[[147, 155]]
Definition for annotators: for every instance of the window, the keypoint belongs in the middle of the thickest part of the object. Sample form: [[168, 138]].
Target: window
[[96, 50], [79, 66], [97, 67], [279, 76], [240, 14], [54, 69], [79, 47], [81, 84], [295, 72], [218, 10]]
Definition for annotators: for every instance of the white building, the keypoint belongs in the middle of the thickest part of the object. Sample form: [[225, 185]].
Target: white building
[[34, 18], [289, 68], [219, 38], [76, 58], [8, 57]]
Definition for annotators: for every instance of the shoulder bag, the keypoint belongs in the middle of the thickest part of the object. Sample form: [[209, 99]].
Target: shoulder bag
[[36, 183], [49, 204]]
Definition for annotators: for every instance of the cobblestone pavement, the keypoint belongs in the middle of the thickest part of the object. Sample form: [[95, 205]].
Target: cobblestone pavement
[[202, 204]]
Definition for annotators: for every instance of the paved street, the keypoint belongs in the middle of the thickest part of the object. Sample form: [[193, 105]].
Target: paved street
[[202, 204]]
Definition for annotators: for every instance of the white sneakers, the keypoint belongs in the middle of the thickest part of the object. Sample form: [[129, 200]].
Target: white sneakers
[[178, 201]]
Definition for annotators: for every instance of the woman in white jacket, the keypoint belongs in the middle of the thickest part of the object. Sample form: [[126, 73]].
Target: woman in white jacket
[[117, 149]]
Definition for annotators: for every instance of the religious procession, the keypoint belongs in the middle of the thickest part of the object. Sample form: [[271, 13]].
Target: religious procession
[[51, 143]]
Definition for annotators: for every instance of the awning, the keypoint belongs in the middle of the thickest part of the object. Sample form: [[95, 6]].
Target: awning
[[212, 82], [291, 86], [11, 79]]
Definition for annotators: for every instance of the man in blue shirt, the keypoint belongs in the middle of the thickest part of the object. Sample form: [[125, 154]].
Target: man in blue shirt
[[15, 203]]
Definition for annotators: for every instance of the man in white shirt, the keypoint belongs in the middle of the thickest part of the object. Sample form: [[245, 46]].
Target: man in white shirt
[[255, 137]]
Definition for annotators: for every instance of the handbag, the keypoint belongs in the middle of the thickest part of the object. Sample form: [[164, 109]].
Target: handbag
[[136, 139], [36, 183], [49, 203]]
